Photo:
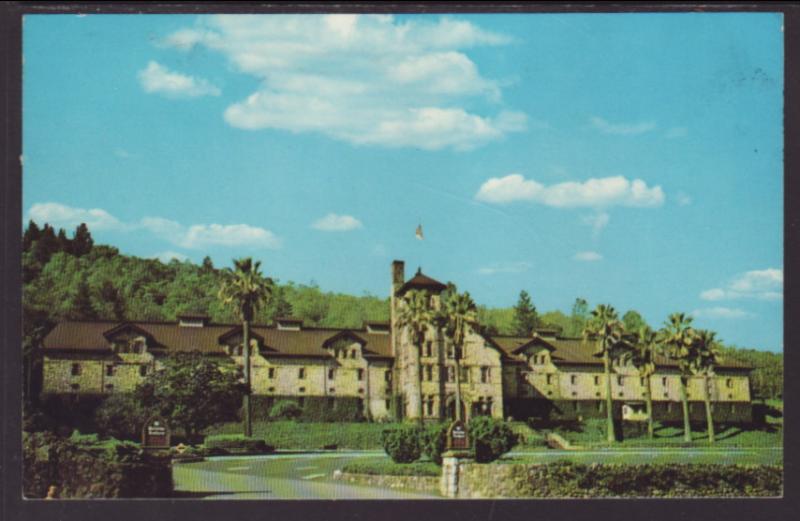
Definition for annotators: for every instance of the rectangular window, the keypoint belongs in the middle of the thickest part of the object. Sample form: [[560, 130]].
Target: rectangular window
[[429, 373], [465, 375], [597, 380], [485, 376], [302, 389], [76, 369], [301, 373], [271, 390], [428, 348], [450, 351], [331, 374], [360, 374], [142, 370], [663, 381], [271, 372], [110, 370], [729, 383], [549, 379], [573, 379], [641, 381], [387, 376], [388, 403], [621, 380], [451, 373], [332, 390]]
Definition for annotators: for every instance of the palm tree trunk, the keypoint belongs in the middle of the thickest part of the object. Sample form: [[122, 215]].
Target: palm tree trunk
[[248, 425], [709, 417], [419, 384], [611, 436], [458, 384], [649, 399], [687, 428]]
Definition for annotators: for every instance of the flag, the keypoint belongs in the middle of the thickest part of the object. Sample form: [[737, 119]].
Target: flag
[[418, 233]]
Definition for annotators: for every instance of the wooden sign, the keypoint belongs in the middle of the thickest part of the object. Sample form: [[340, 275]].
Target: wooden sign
[[155, 434], [457, 436]]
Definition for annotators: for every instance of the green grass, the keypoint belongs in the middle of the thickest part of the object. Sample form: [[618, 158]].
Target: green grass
[[385, 466], [594, 435], [309, 436]]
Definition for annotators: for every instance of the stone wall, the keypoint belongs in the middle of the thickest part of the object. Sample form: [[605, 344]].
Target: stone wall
[[419, 483]]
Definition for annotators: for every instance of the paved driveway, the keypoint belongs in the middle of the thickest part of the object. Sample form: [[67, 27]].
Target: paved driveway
[[278, 476]]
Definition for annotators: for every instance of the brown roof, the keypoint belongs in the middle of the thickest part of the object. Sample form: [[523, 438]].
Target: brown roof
[[422, 281], [576, 351], [89, 336]]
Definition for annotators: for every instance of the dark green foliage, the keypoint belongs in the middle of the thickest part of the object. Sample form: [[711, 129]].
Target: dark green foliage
[[121, 416], [82, 241], [491, 438], [633, 321], [285, 410], [567, 479], [343, 409], [82, 303], [192, 392], [402, 444], [236, 444], [388, 468], [525, 317], [85, 467], [307, 436], [433, 441], [70, 412]]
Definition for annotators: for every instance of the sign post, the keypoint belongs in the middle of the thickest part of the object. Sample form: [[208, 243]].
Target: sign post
[[457, 438], [155, 434], [455, 457]]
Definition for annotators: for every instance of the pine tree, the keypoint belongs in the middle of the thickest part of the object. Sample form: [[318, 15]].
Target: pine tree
[[64, 244], [46, 246], [525, 317], [110, 294], [207, 266], [32, 234], [82, 241], [82, 308]]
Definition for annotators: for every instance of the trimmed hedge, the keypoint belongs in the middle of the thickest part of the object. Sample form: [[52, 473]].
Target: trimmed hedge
[[567, 479], [86, 467], [389, 468], [491, 438], [402, 444], [236, 443]]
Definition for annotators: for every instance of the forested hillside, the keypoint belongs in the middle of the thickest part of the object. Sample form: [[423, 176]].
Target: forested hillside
[[72, 278]]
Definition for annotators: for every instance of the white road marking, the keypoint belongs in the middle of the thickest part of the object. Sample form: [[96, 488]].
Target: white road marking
[[238, 468], [313, 476]]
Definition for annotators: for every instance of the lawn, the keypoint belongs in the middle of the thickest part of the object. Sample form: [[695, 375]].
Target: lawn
[[762, 456], [310, 436]]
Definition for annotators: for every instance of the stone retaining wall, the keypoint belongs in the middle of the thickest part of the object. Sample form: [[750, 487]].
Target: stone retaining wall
[[419, 483]]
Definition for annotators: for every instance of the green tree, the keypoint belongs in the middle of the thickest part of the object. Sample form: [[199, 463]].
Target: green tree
[[82, 308], [31, 234], [678, 339], [580, 315], [417, 316], [458, 315], [246, 290], [642, 355], [605, 329], [111, 297], [525, 318], [82, 241], [705, 356], [633, 321], [192, 391]]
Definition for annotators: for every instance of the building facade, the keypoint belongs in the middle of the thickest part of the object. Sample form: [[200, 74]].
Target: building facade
[[380, 368]]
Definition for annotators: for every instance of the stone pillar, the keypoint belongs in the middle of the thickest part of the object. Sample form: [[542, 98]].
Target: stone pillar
[[452, 468]]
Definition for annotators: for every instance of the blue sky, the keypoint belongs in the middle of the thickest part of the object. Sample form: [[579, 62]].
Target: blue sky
[[635, 159]]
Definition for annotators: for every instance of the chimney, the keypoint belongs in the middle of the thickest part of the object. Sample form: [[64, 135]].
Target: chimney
[[398, 274]]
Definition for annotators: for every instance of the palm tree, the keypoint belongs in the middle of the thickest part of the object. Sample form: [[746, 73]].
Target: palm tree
[[418, 316], [705, 357], [642, 355], [459, 313], [678, 338], [605, 327], [246, 289]]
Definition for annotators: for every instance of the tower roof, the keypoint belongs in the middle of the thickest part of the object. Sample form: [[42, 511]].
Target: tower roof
[[421, 281]]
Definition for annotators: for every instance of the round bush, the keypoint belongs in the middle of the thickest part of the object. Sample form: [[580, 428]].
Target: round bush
[[402, 444], [491, 438], [285, 410], [433, 441]]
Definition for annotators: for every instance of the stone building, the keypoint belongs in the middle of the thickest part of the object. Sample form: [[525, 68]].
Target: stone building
[[376, 365]]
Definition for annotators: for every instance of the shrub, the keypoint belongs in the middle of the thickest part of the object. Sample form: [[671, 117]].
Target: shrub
[[433, 441], [402, 444], [121, 416], [285, 410], [233, 443], [491, 438], [388, 468]]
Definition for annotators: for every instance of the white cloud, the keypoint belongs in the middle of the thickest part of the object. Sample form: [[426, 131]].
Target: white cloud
[[621, 129], [505, 267], [156, 78], [683, 199], [336, 223], [587, 256], [63, 216], [676, 132], [167, 256], [721, 312], [756, 284], [594, 193], [362, 79], [196, 236], [597, 221]]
